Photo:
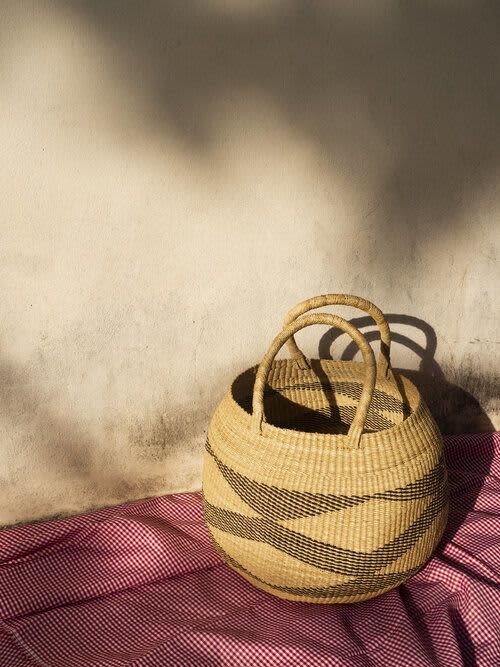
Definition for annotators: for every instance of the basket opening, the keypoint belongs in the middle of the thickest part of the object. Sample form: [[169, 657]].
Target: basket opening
[[322, 399]]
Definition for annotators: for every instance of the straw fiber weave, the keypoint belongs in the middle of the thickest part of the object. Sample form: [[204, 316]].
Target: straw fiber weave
[[324, 481]]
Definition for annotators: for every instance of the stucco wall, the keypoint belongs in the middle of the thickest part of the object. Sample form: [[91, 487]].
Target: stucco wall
[[175, 176]]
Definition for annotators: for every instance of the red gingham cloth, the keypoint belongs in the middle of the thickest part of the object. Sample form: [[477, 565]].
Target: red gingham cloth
[[140, 584]]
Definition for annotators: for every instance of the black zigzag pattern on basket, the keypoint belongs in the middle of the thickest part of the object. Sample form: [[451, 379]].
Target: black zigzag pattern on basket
[[357, 586], [320, 554], [278, 503]]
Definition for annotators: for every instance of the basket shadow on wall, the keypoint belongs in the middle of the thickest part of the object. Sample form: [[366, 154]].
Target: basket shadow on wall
[[454, 409]]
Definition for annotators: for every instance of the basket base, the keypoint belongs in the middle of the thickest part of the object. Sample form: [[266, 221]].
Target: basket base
[[308, 599]]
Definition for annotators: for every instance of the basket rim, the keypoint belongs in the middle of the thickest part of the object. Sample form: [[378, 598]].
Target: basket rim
[[268, 430]]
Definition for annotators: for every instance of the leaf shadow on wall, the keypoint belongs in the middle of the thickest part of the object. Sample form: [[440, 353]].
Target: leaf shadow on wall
[[402, 100], [56, 447], [44, 432], [59, 447]]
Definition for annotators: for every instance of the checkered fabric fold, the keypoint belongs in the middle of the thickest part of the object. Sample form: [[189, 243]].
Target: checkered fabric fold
[[141, 585]]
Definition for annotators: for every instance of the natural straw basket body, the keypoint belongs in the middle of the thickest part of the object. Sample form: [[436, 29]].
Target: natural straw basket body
[[324, 481]]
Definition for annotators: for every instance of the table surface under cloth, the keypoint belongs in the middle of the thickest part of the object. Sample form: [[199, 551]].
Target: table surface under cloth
[[140, 584]]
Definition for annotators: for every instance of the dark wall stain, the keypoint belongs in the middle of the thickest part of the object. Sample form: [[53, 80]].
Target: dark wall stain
[[167, 429], [59, 445], [56, 439]]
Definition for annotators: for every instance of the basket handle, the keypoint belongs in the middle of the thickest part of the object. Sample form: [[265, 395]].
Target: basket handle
[[383, 363], [356, 428]]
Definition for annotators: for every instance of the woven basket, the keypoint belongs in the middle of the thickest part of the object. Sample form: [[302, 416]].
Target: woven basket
[[333, 488]]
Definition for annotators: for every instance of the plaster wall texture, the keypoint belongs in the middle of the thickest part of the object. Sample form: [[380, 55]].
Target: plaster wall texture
[[176, 176]]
